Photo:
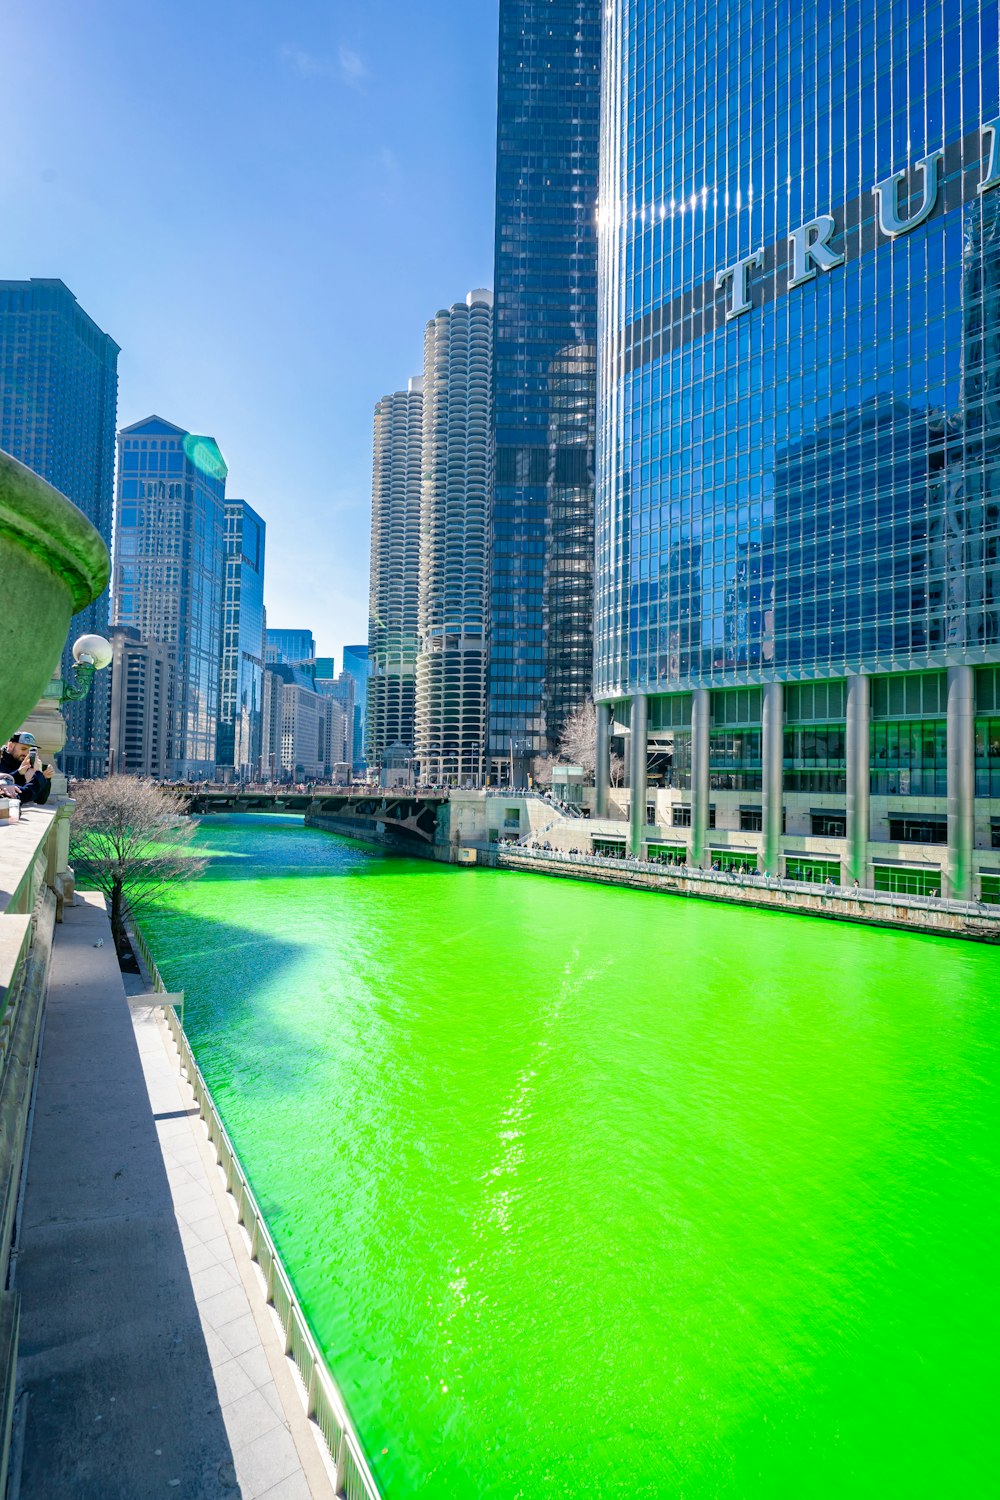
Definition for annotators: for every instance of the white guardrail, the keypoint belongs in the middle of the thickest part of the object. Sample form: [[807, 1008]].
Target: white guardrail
[[324, 1404], [730, 878]]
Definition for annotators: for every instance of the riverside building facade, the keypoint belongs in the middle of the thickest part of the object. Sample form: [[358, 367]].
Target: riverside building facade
[[545, 325], [798, 495], [393, 600], [453, 598]]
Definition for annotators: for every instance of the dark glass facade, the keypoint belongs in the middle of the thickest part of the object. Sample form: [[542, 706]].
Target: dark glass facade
[[168, 572], [356, 662], [241, 676], [545, 277], [799, 415], [290, 646], [58, 414]]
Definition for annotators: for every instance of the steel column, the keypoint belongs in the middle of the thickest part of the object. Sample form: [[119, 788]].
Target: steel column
[[773, 758], [858, 776], [701, 718], [602, 770], [637, 774], [961, 781]]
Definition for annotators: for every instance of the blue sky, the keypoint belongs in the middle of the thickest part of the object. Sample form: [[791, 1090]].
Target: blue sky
[[262, 201]]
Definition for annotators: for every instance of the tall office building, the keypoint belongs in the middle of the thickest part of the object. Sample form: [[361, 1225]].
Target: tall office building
[[395, 566], [453, 617], [141, 689], [356, 662], [545, 328], [58, 410], [290, 647], [168, 572], [241, 676], [303, 731], [798, 517]]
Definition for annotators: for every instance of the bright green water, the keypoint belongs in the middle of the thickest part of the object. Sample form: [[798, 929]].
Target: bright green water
[[592, 1192]]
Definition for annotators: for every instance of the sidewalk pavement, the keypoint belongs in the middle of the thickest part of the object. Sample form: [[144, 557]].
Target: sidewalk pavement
[[149, 1364]]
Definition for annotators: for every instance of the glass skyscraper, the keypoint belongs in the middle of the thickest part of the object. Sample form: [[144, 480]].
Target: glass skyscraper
[[241, 677], [543, 375], [58, 412], [290, 646], [356, 662], [168, 572], [798, 507]]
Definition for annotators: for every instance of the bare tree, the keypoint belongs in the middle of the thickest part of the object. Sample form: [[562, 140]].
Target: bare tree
[[541, 770], [578, 740], [617, 770], [129, 837]]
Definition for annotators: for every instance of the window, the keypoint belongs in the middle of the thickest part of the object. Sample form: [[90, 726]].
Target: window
[[990, 888], [814, 871], [751, 819], [829, 825], [742, 861], [666, 854], [918, 829], [681, 816], [924, 880]]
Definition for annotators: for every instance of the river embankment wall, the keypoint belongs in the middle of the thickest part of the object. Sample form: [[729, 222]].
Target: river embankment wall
[[871, 908]]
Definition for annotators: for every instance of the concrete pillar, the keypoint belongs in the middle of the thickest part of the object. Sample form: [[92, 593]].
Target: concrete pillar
[[858, 776], [637, 774], [773, 760], [961, 780], [602, 772], [701, 719]]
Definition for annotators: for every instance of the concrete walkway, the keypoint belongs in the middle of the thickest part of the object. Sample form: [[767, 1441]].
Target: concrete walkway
[[149, 1363]]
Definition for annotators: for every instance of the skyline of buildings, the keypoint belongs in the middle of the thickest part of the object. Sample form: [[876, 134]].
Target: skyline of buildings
[[58, 415]]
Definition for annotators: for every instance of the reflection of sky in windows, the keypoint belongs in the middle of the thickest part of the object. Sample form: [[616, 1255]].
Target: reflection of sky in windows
[[812, 487]]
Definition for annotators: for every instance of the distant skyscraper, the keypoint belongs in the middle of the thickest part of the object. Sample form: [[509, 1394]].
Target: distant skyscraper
[[290, 646], [454, 536], [241, 679], [303, 731], [58, 409], [168, 571], [356, 662], [141, 676], [395, 564], [545, 330]]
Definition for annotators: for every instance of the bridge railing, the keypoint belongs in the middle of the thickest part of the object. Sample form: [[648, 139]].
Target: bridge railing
[[324, 1404]]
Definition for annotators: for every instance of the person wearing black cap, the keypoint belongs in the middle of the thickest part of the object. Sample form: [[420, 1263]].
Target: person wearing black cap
[[20, 759]]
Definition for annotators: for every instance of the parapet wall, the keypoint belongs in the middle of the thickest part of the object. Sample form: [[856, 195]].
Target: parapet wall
[[872, 908]]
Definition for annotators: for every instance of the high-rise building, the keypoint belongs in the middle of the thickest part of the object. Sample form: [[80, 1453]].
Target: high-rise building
[[453, 618], [395, 571], [141, 687], [341, 689], [58, 412], [356, 662], [290, 647], [241, 676], [303, 731], [545, 329], [798, 508], [168, 572]]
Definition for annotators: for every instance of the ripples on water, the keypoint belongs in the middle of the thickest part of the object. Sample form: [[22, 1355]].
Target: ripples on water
[[591, 1192]]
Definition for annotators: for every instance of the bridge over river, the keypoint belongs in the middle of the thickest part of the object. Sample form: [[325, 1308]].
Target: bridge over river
[[363, 810]]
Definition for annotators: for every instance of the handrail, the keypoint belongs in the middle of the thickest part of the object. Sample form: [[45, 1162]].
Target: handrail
[[754, 882], [353, 1478]]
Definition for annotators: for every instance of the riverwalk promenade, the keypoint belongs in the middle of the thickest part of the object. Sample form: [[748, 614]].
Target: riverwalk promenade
[[149, 1363]]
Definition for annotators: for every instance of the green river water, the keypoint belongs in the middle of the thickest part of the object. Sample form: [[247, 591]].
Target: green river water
[[593, 1192]]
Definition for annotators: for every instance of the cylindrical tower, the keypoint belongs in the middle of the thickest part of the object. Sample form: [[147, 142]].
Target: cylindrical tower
[[395, 564], [454, 520]]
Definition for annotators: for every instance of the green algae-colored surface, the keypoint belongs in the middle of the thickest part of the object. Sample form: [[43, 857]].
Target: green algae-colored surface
[[591, 1192]]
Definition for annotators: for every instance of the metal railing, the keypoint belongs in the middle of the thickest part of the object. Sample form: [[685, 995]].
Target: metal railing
[[353, 1478], [731, 878]]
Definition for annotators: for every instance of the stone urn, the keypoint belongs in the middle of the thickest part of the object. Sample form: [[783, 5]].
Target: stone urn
[[52, 563]]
